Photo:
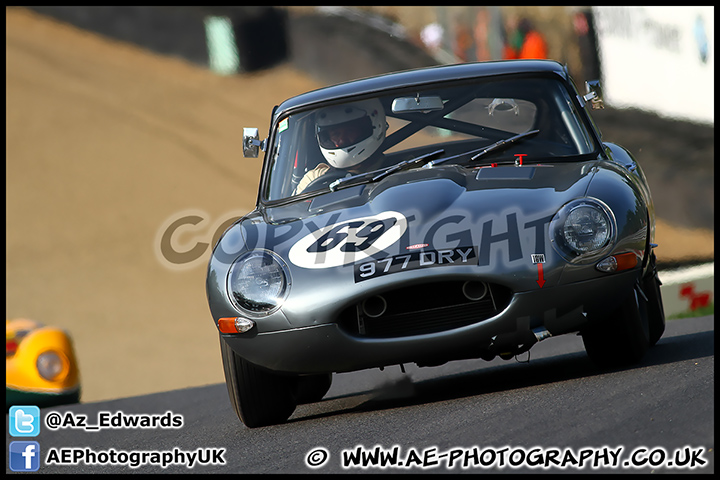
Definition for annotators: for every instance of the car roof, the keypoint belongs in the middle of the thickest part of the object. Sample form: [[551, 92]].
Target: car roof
[[408, 78]]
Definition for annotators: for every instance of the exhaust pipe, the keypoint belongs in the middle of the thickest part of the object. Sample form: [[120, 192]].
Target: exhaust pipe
[[374, 307], [508, 345], [541, 333], [474, 290]]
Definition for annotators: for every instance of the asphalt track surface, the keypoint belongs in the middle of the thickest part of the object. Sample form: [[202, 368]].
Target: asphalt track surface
[[556, 401]]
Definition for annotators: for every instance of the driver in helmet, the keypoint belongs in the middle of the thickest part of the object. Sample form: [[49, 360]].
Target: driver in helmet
[[348, 136]]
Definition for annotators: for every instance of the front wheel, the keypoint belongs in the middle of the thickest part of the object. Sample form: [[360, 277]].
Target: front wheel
[[656, 311], [312, 388], [621, 337], [258, 397]]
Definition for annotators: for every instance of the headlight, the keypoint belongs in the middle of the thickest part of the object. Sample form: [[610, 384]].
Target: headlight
[[582, 229], [258, 282], [50, 365]]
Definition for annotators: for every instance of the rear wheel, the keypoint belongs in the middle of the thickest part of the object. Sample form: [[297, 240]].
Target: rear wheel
[[258, 397], [621, 337]]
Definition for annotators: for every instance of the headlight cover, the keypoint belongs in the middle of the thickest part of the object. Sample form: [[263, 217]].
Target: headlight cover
[[258, 282], [50, 365], [582, 230]]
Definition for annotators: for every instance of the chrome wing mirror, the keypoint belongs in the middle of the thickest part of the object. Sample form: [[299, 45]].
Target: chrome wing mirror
[[251, 143], [594, 94]]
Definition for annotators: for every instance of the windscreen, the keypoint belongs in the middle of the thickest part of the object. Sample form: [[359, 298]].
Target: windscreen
[[339, 140]]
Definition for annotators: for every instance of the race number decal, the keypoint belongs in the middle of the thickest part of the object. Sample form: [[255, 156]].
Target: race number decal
[[349, 241]]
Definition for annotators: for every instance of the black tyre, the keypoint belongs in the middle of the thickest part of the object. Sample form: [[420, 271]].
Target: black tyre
[[655, 310], [312, 388], [621, 337], [258, 397]]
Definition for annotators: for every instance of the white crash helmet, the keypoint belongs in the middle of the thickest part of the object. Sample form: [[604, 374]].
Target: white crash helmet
[[348, 134]]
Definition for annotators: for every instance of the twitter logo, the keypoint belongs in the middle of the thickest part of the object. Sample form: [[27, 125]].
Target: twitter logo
[[24, 421]]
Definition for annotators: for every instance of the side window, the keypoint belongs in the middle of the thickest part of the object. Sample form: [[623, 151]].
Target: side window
[[581, 138], [295, 152], [280, 173]]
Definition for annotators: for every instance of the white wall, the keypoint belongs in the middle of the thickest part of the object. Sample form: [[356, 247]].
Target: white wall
[[659, 59]]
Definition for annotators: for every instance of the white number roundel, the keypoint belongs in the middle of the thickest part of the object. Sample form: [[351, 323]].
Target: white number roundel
[[349, 241]]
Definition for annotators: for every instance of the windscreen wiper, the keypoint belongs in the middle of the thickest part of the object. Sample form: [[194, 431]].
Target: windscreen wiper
[[485, 150], [502, 143], [378, 175], [408, 164]]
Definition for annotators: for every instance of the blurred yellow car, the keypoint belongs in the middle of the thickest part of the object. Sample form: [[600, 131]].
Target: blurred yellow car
[[40, 365]]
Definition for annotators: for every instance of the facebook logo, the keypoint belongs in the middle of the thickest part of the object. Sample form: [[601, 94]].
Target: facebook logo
[[24, 421], [24, 456]]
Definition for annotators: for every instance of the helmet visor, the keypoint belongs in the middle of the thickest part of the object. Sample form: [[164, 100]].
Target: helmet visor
[[344, 134]]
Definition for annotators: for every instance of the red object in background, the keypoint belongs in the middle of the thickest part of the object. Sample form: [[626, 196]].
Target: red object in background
[[697, 299], [10, 347], [534, 46]]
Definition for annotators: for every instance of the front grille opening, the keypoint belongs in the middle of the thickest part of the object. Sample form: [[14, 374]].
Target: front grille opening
[[425, 308]]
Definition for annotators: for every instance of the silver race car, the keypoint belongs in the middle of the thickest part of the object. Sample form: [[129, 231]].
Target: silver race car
[[452, 212]]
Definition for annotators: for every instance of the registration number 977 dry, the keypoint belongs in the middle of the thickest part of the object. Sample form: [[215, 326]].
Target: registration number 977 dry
[[415, 260]]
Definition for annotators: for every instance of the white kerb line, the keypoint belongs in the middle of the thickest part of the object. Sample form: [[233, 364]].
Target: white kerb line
[[688, 274]]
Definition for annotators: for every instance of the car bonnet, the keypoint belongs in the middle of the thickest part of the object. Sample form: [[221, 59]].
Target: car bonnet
[[434, 208]]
